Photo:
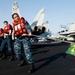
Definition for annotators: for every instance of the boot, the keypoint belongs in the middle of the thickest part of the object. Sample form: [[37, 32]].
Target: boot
[[3, 56], [23, 62], [12, 56], [32, 68]]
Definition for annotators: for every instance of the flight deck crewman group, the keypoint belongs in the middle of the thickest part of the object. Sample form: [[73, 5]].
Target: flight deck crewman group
[[21, 31]]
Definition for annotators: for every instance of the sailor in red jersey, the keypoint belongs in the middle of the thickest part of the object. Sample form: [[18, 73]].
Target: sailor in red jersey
[[1, 36], [7, 40], [1, 32], [22, 31]]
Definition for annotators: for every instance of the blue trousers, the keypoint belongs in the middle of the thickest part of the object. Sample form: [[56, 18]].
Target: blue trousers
[[1, 39], [6, 41], [26, 46]]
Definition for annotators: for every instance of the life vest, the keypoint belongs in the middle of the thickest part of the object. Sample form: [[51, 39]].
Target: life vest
[[7, 29], [19, 27], [1, 31]]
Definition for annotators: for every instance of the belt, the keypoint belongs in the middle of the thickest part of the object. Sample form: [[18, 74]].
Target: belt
[[23, 37], [7, 36]]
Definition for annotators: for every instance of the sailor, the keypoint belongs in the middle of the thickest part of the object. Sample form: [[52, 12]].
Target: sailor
[[7, 40], [1, 36], [22, 33]]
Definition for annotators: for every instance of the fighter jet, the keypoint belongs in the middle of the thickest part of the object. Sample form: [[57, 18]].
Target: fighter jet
[[69, 32]]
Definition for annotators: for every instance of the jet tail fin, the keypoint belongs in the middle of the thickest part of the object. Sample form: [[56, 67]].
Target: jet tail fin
[[38, 20], [15, 8]]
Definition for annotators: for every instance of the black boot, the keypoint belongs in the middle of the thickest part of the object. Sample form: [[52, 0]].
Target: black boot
[[22, 63], [12, 56], [32, 68], [3, 56]]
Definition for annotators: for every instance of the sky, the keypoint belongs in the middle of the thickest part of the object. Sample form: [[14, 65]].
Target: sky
[[58, 12]]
